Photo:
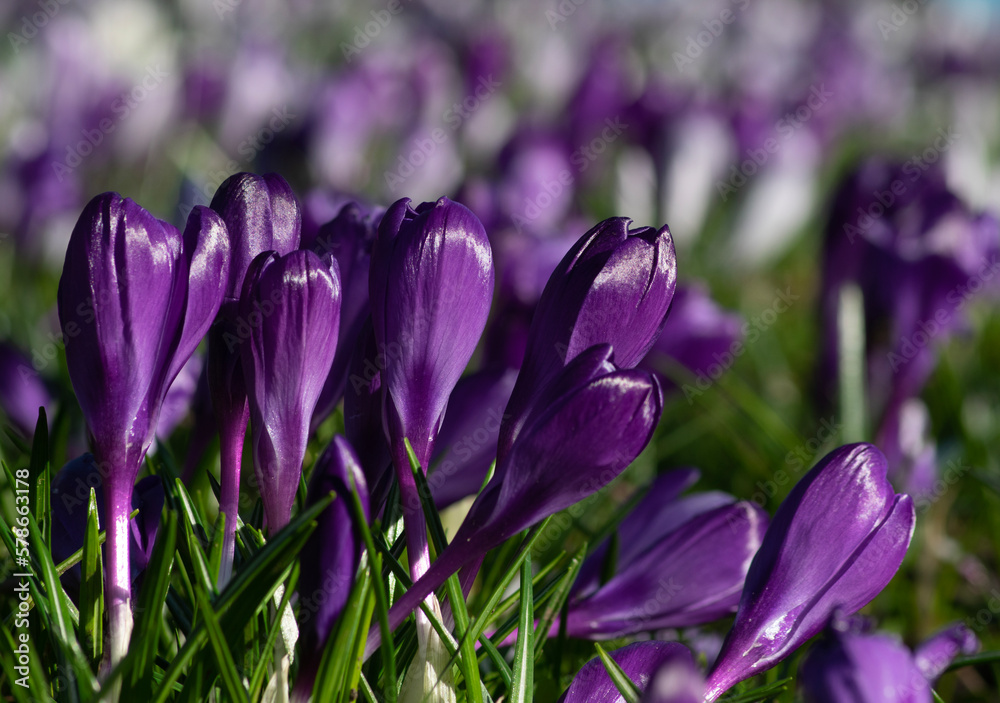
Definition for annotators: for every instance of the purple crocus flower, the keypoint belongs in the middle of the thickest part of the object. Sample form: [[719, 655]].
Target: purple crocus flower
[[849, 664], [22, 391], [348, 238], [135, 299], [261, 214], [919, 256], [640, 661], [330, 557], [70, 494], [845, 522], [681, 562], [431, 286], [850, 667], [614, 286], [292, 306], [590, 422]]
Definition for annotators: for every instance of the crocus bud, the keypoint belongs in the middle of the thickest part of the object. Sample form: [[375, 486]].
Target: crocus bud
[[331, 556], [835, 542], [681, 563], [847, 667], [135, 299], [640, 661], [431, 286], [614, 286], [591, 422], [292, 305], [261, 214]]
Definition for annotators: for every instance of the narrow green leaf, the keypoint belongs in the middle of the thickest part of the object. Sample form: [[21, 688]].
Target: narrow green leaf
[[194, 533], [761, 694], [249, 591], [630, 692], [378, 585], [260, 671], [92, 584], [231, 682], [38, 475], [149, 609], [522, 690], [333, 664], [560, 596], [852, 363], [467, 646], [215, 548], [975, 659]]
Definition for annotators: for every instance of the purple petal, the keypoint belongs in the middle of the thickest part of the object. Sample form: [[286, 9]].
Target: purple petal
[[692, 576], [613, 287], [934, 655], [836, 541], [574, 445], [431, 287], [640, 661], [292, 305], [676, 681], [467, 443], [848, 668], [262, 214], [115, 293]]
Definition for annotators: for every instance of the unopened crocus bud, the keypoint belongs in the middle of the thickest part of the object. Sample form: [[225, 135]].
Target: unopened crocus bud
[[135, 299], [292, 304], [261, 214], [614, 286], [835, 542]]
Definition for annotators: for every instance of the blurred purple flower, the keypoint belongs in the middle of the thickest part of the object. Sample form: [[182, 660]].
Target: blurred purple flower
[[640, 661], [698, 333], [22, 391], [850, 665], [845, 522], [135, 299], [293, 302]]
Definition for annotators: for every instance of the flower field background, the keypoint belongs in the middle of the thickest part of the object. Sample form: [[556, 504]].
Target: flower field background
[[578, 350]]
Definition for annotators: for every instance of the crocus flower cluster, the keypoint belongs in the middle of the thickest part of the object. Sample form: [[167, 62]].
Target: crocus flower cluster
[[844, 521]]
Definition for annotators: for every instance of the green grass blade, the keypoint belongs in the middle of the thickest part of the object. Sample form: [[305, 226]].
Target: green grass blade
[[560, 596], [630, 692], [38, 475], [522, 689], [92, 584], [260, 670], [763, 693], [231, 682]]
